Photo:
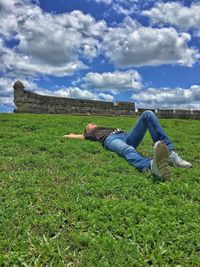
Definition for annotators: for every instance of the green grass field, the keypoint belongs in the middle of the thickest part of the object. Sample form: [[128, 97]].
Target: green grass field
[[73, 203]]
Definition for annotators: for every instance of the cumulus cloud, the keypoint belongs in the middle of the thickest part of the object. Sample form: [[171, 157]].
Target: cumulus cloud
[[5, 87], [123, 10], [126, 2], [6, 101], [9, 10], [6, 104], [176, 14], [57, 44], [9, 5], [77, 93], [116, 80], [46, 43], [131, 44], [107, 2], [168, 97], [6, 92], [106, 97], [19, 64]]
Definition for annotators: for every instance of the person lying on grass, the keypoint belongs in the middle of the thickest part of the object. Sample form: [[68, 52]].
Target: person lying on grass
[[125, 144]]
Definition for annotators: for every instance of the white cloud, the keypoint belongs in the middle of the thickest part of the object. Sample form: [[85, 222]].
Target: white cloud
[[75, 92], [19, 64], [49, 44], [6, 92], [107, 2], [7, 100], [168, 97], [7, 28], [85, 24], [5, 87], [9, 10], [118, 8], [125, 2], [176, 14], [56, 44], [124, 7], [131, 44], [116, 80], [9, 5], [106, 97]]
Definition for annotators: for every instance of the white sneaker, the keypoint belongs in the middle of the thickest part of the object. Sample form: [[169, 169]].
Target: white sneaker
[[177, 161], [160, 162]]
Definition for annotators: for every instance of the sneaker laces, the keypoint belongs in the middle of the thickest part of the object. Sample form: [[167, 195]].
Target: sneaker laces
[[176, 160], [174, 157]]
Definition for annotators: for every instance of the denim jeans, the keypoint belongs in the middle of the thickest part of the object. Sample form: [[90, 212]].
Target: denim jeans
[[125, 144]]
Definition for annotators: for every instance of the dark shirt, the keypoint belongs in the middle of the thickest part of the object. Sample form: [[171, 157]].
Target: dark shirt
[[99, 134]]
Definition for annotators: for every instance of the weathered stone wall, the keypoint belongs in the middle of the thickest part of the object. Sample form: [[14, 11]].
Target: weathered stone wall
[[174, 113], [28, 102]]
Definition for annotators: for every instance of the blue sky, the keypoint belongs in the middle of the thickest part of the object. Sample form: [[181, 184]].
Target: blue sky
[[147, 52]]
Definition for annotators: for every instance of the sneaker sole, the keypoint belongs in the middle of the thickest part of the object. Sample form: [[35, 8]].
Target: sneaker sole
[[161, 156]]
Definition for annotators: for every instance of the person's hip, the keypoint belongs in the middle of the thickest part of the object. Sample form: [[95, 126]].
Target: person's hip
[[119, 135]]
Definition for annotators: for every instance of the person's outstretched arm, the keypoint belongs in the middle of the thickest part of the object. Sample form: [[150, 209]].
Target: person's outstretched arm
[[74, 136]]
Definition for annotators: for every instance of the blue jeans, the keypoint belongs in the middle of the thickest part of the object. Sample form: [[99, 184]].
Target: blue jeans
[[125, 144]]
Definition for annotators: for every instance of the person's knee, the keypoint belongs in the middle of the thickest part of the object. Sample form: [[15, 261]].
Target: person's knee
[[148, 114]]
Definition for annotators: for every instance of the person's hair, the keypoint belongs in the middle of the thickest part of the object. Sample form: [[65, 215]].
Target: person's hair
[[86, 130]]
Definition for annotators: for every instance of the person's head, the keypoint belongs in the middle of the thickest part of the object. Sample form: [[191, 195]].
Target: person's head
[[89, 127]]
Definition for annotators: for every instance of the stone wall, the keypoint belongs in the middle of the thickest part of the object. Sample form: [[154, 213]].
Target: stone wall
[[173, 113], [28, 102]]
